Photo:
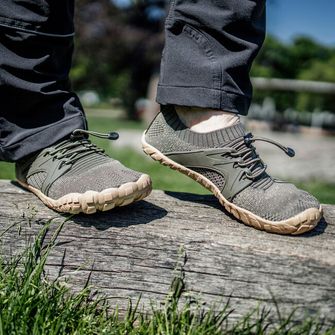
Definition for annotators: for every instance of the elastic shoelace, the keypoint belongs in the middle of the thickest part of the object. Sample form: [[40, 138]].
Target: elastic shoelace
[[78, 146], [249, 158], [110, 136]]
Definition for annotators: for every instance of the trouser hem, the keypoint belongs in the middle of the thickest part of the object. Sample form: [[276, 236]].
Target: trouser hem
[[42, 139], [203, 97]]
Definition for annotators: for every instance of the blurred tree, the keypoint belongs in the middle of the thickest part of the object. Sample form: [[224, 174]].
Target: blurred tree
[[319, 71], [117, 48], [302, 59], [304, 51], [119, 43], [274, 61]]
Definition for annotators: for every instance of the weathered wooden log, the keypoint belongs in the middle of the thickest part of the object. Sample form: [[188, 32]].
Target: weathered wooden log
[[293, 85], [134, 250]]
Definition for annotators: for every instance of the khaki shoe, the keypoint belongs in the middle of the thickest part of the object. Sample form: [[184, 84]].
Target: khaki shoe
[[226, 163], [75, 176]]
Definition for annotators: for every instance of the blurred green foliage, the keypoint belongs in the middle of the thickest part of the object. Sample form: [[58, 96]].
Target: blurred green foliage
[[118, 49], [303, 59]]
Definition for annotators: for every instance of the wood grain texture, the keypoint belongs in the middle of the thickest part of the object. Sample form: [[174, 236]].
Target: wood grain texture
[[134, 250]]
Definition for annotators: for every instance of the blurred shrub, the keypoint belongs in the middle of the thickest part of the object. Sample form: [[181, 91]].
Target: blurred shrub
[[118, 48], [302, 59]]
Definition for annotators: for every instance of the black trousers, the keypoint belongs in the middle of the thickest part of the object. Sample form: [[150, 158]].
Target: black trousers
[[209, 49]]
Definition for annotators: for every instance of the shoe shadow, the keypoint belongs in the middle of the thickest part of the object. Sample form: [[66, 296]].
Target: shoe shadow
[[212, 201], [318, 230], [138, 213], [17, 184], [204, 199]]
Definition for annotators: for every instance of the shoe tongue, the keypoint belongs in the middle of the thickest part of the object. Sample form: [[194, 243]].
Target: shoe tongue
[[237, 131], [86, 162], [229, 134]]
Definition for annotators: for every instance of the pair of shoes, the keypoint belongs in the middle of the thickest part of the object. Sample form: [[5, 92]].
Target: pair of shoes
[[75, 176]]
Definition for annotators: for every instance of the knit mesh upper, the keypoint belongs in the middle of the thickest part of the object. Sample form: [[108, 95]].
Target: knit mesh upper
[[98, 178], [278, 202], [168, 134], [76, 169]]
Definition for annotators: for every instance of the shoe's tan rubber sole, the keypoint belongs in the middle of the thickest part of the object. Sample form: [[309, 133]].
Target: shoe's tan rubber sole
[[91, 201], [296, 225]]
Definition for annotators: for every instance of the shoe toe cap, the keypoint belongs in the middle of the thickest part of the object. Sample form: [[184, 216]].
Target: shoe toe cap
[[280, 202], [105, 176]]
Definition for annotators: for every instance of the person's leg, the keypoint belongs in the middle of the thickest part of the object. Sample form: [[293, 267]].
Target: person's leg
[[39, 114], [204, 87], [223, 38], [37, 107], [209, 49]]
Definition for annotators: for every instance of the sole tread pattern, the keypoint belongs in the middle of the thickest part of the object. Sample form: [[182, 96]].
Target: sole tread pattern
[[90, 202]]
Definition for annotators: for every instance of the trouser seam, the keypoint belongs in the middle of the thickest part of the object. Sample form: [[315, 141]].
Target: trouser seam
[[205, 44], [169, 18], [28, 27]]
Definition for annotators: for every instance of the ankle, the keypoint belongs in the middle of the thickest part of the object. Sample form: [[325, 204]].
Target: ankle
[[204, 120]]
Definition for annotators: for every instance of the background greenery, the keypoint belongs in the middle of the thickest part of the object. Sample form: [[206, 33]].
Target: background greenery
[[117, 54], [302, 59]]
